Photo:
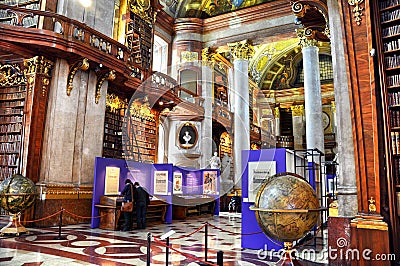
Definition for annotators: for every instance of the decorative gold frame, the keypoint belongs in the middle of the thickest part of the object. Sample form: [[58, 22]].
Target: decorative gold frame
[[193, 133]]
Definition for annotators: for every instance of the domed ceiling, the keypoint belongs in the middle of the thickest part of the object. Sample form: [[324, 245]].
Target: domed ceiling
[[206, 8]]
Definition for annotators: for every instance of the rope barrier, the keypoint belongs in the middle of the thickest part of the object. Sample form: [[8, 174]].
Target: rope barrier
[[195, 231], [83, 217], [226, 231], [184, 254], [45, 218]]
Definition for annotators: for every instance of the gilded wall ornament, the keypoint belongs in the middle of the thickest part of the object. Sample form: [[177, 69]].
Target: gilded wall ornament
[[115, 103], [11, 75], [357, 10], [306, 37], [73, 69], [241, 50], [297, 110], [100, 80], [188, 56], [277, 113], [35, 66], [143, 9]]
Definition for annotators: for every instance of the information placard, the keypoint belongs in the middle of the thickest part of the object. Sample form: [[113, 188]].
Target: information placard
[[258, 173], [111, 186], [161, 182], [177, 183], [210, 182]]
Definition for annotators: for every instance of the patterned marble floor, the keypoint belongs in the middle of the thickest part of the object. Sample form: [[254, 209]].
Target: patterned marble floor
[[85, 246]]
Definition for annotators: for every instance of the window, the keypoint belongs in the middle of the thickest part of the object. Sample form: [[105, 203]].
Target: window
[[160, 55]]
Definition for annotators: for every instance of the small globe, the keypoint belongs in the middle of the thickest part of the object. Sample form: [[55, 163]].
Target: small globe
[[17, 193], [287, 207]]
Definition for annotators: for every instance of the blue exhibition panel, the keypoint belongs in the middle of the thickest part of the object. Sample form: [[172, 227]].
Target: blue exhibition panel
[[252, 235]]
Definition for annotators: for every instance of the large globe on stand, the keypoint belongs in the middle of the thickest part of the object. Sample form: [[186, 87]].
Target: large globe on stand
[[287, 208], [17, 193]]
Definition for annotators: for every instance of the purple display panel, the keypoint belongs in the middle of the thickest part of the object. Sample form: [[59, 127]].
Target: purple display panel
[[100, 165], [249, 221], [193, 181], [136, 171], [166, 198]]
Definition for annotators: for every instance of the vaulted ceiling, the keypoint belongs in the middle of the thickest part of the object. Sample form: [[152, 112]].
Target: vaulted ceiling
[[206, 8]]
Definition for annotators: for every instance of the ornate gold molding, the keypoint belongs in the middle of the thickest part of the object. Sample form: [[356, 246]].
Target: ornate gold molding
[[297, 110], [65, 191], [369, 221], [241, 50], [306, 37], [100, 80], [206, 57], [115, 103], [333, 106], [371, 205], [11, 75], [143, 9], [82, 65], [141, 110], [357, 10], [277, 113], [35, 66], [188, 56]]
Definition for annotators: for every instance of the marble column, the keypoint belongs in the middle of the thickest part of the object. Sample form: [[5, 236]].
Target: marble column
[[207, 93], [241, 52], [346, 174], [298, 125], [312, 93]]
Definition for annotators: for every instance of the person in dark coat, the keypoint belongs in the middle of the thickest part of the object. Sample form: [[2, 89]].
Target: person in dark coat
[[127, 193], [142, 200]]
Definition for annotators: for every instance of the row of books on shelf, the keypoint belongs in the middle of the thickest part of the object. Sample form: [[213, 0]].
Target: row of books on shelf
[[10, 147], [16, 89], [392, 61], [10, 119], [394, 98], [6, 172], [391, 46], [11, 111], [393, 80], [390, 15], [395, 118], [9, 159], [10, 128], [117, 132], [12, 96], [396, 168], [115, 125], [112, 138], [114, 116], [388, 3], [112, 145], [10, 138], [18, 103], [134, 146]]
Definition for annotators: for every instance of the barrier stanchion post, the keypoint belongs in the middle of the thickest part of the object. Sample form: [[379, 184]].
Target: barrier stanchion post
[[220, 258], [206, 242], [59, 237], [148, 249], [167, 252]]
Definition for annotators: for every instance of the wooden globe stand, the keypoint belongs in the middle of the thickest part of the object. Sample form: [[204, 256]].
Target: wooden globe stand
[[14, 226], [287, 259]]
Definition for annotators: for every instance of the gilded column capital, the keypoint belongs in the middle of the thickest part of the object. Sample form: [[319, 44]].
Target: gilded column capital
[[306, 37], [38, 65], [297, 110], [277, 113], [38, 71], [241, 50], [207, 57]]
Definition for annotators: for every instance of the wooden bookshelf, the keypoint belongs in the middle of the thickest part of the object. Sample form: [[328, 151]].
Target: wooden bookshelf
[[139, 40], [12, 101]]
